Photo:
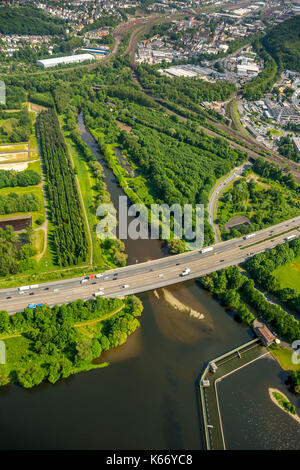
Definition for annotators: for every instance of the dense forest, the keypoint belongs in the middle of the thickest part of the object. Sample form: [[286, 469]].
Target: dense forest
[[16, 251], [50, 344], [283, 43], [167, 151], [12, 203], [265, 80], [187, 92], [12, 178], [70, 238], [238, 292], [17, 126], [287, 149], [27, 20], [177, 88]]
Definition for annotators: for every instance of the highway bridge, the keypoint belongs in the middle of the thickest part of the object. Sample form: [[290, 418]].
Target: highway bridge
[[153, 274]]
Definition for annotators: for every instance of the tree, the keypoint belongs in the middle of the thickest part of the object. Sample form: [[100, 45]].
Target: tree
[[84, 349]]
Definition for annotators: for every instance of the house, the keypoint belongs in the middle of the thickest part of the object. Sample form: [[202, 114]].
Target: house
[[263, 332]]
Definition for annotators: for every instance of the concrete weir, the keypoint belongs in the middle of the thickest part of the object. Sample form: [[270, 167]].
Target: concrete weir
[[216, 370]]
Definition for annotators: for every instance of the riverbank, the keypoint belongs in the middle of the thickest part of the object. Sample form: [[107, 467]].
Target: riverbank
[[274, 400]]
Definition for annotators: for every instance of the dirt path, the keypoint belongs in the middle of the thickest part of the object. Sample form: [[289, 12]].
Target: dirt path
[[97, 320]]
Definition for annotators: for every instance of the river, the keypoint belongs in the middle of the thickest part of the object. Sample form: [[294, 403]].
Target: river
[[146, 398]]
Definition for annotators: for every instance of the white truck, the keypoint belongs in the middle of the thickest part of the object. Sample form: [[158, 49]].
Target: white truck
[[251, 235], [291, 237], [98, 293], [206, 250], [23, 288], [186, 272]]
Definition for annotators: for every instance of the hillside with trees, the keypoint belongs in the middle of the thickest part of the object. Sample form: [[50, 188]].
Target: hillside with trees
[[187, 92], [28, 20], [283, 43]]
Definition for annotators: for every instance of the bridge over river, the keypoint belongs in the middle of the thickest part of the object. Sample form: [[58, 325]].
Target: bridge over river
[[154, 274]]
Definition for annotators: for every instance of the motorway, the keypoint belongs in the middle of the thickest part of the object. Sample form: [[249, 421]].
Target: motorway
[[151, 274]]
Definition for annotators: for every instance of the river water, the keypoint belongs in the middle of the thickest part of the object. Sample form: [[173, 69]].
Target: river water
[[147, 398]]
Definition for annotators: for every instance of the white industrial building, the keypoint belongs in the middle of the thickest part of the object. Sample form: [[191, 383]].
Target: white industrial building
[[71, 59], [243, 69]]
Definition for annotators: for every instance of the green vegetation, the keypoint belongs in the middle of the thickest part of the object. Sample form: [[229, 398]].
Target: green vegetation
[[187, 92], [69, 237], [284, 357], [49, 344], [286, 148], [295, 381], [12, 178], [90, 175], [253, 199], [104, 21], [272, 270], [238, 292], [42, 99], [283, 43], [28, 20], [265, 80], [16, 251], [163, 150], [15, 127], [12, 203], [288, 275], [284, 403]]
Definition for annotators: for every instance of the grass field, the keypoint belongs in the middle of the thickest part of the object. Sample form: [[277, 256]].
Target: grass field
[[284, 357], [39, 240], [289, 274], [13, 147]]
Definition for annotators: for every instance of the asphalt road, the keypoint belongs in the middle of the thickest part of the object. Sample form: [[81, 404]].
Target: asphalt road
[[217, 192], [152, 274]]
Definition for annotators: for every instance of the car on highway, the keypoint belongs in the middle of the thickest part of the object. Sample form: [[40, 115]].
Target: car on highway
[[8, 297], [31, 306], [106, 278], [185, 272], [125, 286]]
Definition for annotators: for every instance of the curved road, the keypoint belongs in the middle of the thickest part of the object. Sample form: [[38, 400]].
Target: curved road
[[217, 191]]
